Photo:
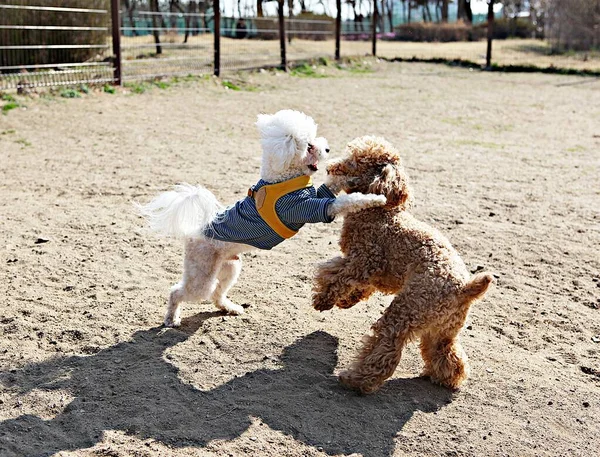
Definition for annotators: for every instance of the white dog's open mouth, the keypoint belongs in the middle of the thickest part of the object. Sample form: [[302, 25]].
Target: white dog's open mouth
[[313, 167]]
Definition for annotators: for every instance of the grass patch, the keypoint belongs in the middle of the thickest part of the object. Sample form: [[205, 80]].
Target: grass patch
[[136, 88], [355, 65], [189, 78], [23, 142], [324, 61], [483, 144], [84, 88], [109, 89], [8, 132], [576, 148], [70, 93], [161, 84], [230, 85], [238, 86], [9, 106], [306, 70], [456, 121], [503, 68]]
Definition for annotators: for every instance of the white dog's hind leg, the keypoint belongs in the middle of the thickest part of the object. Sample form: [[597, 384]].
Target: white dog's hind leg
[[173, 315], [228, 276], [200, 268], [345, 204]]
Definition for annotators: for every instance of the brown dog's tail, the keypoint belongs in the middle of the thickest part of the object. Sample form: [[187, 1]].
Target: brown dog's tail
[[477, 287]]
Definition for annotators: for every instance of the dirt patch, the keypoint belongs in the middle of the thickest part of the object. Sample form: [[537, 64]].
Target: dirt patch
[[505, 164]]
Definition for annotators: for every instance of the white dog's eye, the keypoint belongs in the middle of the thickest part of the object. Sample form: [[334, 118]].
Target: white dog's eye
[[327, 150]]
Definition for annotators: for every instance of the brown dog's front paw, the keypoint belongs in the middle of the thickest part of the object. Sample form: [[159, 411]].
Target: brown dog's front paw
[[345, 304], [360, 383], [320, 303], [352, 300]]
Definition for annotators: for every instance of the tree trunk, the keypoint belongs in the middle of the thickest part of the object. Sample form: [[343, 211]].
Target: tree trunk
[[130, 7], [259, 9], [291, 16], [444, 10], [490, 34], [427, 12], [188, 20], [202, 9], [468, 11], [464, 11], [390, 8], [155, 25]]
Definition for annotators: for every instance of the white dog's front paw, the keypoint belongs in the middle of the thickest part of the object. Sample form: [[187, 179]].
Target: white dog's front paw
[[376, 200], [172, 321], [229, 307]]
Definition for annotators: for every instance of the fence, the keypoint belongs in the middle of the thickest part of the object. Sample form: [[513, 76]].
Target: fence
[[60, 42], [54, 43]]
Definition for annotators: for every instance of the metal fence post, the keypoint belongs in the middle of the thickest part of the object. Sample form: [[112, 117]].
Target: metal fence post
[[217, 36], [375, 19], [116, 41], [282, 35], [338, 28], [490, 34]]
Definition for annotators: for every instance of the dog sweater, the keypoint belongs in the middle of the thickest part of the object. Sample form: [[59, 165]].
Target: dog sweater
[[242, 223]]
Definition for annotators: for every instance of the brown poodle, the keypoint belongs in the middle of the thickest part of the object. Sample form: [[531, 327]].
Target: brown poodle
[[386, 249]]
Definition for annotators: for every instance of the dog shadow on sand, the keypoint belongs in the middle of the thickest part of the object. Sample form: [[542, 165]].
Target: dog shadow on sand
[[130, 387]]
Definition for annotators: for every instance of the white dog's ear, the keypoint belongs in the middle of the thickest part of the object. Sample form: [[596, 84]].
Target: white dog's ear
[[284, 153]]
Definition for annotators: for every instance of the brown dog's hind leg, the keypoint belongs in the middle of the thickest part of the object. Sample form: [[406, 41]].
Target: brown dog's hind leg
[[382, 350], [445, 360]]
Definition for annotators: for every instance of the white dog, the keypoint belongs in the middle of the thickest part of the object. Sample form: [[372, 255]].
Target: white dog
[[276, 207]]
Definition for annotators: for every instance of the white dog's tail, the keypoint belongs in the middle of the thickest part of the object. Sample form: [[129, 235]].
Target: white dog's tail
[[182, 212]]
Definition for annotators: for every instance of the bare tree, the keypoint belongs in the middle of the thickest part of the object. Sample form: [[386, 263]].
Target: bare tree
[[445, 10], [154, 7], [130, 6], [390, 13], [575, 25], [464, 10]]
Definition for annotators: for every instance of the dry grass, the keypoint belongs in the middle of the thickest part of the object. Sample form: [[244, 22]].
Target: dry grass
[[237, 54], [504, 52]]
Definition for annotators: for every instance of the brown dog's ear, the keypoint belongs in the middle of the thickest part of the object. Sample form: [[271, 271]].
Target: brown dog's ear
[[393, 183]]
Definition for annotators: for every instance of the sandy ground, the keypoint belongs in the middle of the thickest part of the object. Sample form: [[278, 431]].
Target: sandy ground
[[506, 165]]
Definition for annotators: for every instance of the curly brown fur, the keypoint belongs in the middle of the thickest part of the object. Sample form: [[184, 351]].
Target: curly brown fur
[[386, 249]]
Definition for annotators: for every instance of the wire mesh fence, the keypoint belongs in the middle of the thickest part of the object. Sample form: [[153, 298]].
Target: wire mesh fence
[[54, 42], [310, 38], [356, 33], [155, 44], [68, 42], [249, 42]]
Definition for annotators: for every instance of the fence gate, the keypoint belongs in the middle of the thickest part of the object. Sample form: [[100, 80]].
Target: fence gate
[[55, 42]]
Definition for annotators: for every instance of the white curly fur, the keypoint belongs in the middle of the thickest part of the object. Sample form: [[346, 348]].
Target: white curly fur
[[212, 267]]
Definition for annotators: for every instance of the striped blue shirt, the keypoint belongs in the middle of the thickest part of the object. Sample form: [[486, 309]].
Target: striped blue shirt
[[241, 223]]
